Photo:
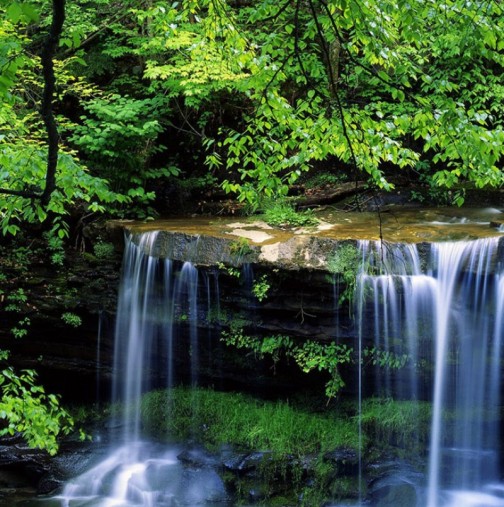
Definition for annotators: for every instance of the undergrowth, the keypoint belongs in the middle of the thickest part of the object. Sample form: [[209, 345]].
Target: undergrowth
[[281, 213], [214, 418], [401, 424]]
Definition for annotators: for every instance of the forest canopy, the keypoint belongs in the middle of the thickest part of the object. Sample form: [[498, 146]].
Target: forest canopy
[[248, 95]]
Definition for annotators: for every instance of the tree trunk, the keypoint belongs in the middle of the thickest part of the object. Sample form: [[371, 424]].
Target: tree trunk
[[46, 110]]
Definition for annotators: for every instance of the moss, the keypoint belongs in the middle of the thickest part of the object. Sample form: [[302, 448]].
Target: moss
[[216, 418], [403, 425]]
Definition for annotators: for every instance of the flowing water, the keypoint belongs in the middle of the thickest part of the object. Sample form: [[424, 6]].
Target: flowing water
[[447, 317], [441, 320], [156, 298]]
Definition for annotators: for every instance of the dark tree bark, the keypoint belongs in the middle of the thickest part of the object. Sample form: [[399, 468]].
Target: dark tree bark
[[46, 110]]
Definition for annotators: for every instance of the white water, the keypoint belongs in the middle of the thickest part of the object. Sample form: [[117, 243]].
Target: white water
[[448, 314], [142, 475], [155, 297]]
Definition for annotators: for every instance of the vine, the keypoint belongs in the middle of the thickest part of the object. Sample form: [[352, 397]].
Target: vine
[[309, 356], [344, 265]]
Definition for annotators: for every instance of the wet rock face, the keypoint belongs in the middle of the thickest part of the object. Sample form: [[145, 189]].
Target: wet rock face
[[207, 242], [346, 461], [301, 302], [62, 352], [29, 472], [77, 362]]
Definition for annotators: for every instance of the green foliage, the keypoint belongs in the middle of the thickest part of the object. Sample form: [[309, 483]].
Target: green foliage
[[20, 330], [265, 93], [280, 213], [16, 302], [214, 418], [434, 193], [385, 358], [27, 409], [324, 179], [103, 250], [24, 166], [118, 136], [240, 247], [261, 287], [197, 183], [55, 246], [71, 319], [229, 270], [16, 257], [309, 356], [404, 424], [324, 357], [16, 298], [344, 264], [350, 82], [23, 154]]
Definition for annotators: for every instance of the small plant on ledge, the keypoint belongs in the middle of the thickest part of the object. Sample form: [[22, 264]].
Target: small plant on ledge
[[281, 213]]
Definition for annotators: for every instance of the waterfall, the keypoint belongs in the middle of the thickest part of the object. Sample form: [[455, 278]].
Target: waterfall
[[135, 331], [157, 308], [447, 313], [430, 321]]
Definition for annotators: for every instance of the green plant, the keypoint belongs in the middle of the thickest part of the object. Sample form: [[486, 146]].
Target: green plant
[[344, 264], [71, 319], [309, 356], [103, 250], [436, 192], [229, 270], [20, 329], [16, 298], [324, 357], [261, 287], [385, 358], [17, 257], [16, 301], [284, 433], [55, 246], [281, 213], [215, 418], [240, 247], [403, 424], [197, 183], [27, 409], [324, 179]]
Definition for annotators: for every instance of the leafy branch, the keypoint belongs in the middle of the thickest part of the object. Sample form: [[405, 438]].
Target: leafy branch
[[46, 110]]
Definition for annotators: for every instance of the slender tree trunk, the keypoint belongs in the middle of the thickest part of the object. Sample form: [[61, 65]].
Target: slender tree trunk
[[46, 110]]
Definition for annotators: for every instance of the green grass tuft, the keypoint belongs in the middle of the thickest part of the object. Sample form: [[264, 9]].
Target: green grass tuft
[[401, 424], [214, 418]]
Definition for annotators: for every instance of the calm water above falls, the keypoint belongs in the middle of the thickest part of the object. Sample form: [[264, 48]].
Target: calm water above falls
[[446, 312]]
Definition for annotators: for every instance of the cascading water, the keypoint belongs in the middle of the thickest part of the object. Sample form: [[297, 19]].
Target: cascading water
[[155, 297], [449, 315], [438, 316], [464, 456]]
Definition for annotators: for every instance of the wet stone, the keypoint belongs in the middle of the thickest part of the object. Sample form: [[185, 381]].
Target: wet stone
[[197, 458], [243, 463], [393, 495], [346, 461]]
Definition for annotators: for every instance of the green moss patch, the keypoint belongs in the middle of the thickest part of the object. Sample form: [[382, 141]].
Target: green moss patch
[[214, 418]]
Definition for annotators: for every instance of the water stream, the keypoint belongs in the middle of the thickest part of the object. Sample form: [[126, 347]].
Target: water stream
[[447, 314], [155, 296], [442, 317]]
